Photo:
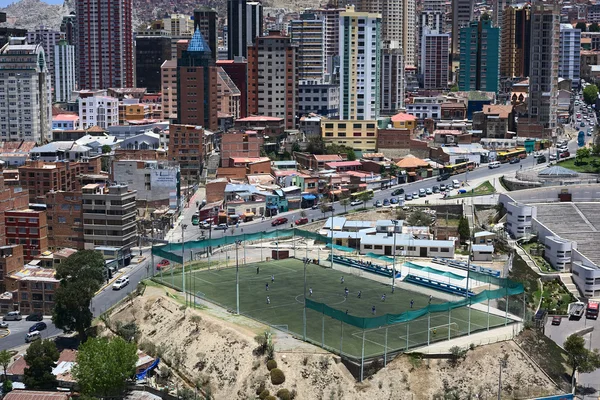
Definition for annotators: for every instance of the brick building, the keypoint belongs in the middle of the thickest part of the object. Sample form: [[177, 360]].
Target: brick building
[[65, 220], [28, 228], [11, 259], [186, 147], [239, 144], [238, 72], [34, 288], [396, 143], [11, 198], [265, 126]]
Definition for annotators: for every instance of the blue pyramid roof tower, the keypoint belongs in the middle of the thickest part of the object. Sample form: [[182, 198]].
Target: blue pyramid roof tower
[[198, 43]]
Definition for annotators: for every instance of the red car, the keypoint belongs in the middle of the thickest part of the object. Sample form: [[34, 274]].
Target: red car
[[163, 263], [279, 221], [565, 154], [302, 221]]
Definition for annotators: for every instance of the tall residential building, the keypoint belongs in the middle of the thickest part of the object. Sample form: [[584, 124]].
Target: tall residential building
[[105, 44], [498, 11], [392, 81], [68, 28], [168, 89], [397, 24], [102, 111], [237, 70], [307, 34], [25, 93], [64, 71], [434, 59], [272, 78], [152, 49], [569, 58], [244, 25], [331, 19], [515, 41], [479, 57], [109, 217], [197, 101], [48, 38], [360, 65], [205, 19], [434, 19], [228, 95], [179, 27], [543, 77], [462, 15]]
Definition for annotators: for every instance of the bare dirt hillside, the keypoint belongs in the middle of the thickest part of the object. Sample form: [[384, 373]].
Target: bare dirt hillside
[[216, 348]]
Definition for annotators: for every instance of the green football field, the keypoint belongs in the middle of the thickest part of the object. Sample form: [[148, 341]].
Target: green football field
[[285, 310]]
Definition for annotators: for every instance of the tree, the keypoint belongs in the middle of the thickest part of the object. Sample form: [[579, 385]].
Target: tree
[[454, 88], [106, 149], [295, 147], [104, 366], [81, 276], [581, 26], [419, 218], [596, 150], [590, 94], [582, 153], [594, 27], [41, 358], [5, 359], [364, 197], [345, 202], [464, 232], [324, 207], [580, 358], [315, 145]]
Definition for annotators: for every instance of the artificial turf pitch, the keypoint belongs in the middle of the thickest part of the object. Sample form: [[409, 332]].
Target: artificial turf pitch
[[285, 310]]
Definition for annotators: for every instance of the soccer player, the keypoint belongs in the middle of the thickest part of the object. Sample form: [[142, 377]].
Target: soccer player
[[393, 288], [383, 297], [430, 297], [346, 292], [257, 270], [411, 303], [342, 280], [272, 278], [359, 294], [268, 300], [373, 311], [267, 286], [310, 292]]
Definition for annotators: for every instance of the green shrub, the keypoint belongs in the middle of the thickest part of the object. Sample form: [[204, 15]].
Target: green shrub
[[277, 376], [260, 388], [264, 394], [7, 386], [283, 394], [270, 398], [271, 364]]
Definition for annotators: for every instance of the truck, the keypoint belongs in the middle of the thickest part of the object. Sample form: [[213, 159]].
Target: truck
[[576, 310], [581, 139], [591, 311]]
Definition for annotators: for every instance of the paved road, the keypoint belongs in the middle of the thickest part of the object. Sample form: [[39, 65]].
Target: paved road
[[18, 330]]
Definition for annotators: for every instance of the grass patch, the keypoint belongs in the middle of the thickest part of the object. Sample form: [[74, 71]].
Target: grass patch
[[542, 264], [451, 222], [587, 165], [482, 190], [525, 275]]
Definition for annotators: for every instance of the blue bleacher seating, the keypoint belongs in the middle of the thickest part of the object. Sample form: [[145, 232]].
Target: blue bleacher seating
[[441, 286], [373, 268], [463, 265]]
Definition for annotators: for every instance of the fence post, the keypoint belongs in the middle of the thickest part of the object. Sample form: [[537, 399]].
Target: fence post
[[341, 336], [449, 321], [407, 325], [323, 331], [385, 349], [428, 325], [362, 357], [506, 307], [469, 315], [524, 308], [488, 314]]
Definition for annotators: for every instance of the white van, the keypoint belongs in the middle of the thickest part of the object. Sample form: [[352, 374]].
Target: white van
[[13, 316], [455, 183], [31, 336], [494, 164]]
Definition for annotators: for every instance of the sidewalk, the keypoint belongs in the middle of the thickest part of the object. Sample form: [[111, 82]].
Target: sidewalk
[[174, 235]]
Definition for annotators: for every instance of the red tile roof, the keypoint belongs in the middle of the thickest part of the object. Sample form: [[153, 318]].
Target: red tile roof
[[328, 157], [335, 164], [65, 117], [403, 117], [35, 395]]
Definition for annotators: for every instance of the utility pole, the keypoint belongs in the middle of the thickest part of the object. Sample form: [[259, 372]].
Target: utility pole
[[395, 222], [183, 228], [304, 316], [237, 278]]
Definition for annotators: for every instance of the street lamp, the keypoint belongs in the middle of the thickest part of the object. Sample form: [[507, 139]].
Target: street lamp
[[237, 278], [183, 228]]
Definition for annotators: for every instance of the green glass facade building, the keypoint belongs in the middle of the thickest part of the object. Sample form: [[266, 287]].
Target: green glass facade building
[[479, 57]]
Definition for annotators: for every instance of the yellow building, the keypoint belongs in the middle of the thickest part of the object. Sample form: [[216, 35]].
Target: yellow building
[[134, 112], [360, 135], [404, 121]]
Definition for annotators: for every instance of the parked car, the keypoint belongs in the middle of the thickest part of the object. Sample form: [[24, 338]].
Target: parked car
[[221, 227], [556, 320], [422, 193], [205, 225], [394, 200], [38, 326], [314, 207], [515, 160], [415, 195], [386, 203], [378, 204], [31, 336], [279, 221], [582, 124], [302, 221], [121, 283], [565, 154], [34, 317], [443, 177], [443, 188], [428, 191], [12, 316], [552, 157], [164, 262], [408, 197], [356, 203], [435, 189], [541, 159], [398, 192], [3, 325]]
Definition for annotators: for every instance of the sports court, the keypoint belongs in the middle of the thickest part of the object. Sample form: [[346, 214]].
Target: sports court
[[285, 308]]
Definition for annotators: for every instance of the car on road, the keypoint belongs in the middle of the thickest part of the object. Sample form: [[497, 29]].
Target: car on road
[[565, 154], [378, 204], [394, 200], [356, 203], [556, 320], [582, 124], [31, 336], [515, 160], [398, 192], [279, 221], [121, 283], [541, 159], [302, 221], [3, 325], [34, 317], [422, 193], [552, 157], [435, 189], [443, 188], [562, 149], [386, 203], [39, 326], [205, 225], [12, 316], [443, 177], [428, 191], [163, 264], [314, 207], [221, 227]]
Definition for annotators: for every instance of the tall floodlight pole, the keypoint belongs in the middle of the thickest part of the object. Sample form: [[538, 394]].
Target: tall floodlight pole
[[304, 314], [237, 278], [395, 222], [332, 235], [183, 228]]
